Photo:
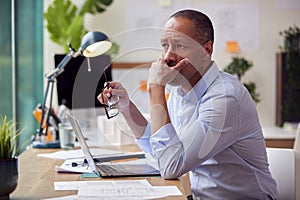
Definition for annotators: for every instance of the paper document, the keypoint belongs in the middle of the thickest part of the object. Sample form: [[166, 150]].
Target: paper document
[[115, 190], [75, 197], [123, 189], [78, 167], [69, 154], [127, 190], [74, 185]]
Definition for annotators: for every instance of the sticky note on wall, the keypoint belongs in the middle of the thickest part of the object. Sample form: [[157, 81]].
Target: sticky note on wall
[[232, 47]]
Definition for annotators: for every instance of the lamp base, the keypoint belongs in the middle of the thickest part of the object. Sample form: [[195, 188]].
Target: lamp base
[[46, 145]]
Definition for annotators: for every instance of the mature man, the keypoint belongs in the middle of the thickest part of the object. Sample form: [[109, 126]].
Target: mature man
[[209, 125]]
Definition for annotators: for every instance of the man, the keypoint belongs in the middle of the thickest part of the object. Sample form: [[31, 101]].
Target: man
[[209, 125]]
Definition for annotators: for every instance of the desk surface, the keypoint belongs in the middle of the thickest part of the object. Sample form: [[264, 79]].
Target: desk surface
[[275, 132], [37, 174], [278, 137]]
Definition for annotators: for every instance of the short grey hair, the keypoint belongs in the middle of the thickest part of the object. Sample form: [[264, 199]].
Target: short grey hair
[[203, 24]]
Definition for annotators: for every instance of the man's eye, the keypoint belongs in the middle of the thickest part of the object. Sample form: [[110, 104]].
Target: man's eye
[[164, 45], [180, 46]]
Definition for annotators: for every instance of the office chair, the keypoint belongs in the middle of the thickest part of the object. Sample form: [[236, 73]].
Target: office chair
[[297, 139], [282, 167]]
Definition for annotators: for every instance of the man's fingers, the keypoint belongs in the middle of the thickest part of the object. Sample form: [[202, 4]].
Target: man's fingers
[[104, 95], [101, 98], [119, 92], [181, 64]]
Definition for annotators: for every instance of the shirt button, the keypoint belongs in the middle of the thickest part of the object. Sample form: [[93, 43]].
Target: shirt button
[[180, 92]]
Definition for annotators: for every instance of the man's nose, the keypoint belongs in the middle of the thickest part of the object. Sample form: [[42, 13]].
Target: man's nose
[[170, 56]]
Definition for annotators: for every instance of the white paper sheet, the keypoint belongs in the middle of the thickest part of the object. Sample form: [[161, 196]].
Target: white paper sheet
[[74, 185], [75, 197], [70, 154], [228, 20], [127, 190], [115, 190], [80, 168]]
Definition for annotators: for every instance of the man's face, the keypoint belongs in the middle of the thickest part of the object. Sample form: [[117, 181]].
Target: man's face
[[179, 40]]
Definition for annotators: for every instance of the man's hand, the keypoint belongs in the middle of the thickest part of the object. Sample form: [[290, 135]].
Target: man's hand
[[115, 88], [132, 115], [160, 73]]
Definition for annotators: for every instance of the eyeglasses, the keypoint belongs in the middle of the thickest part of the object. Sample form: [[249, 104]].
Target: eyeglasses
[[110, 109]]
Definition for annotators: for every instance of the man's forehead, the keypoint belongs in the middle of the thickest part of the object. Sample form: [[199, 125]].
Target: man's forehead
[[175, 35]]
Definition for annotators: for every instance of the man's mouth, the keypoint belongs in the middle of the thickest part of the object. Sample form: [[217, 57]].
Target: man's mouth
[[171, 63]]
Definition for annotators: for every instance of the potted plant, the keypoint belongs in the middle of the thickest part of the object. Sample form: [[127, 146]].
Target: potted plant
[[238, 66], [291, 41], [8, 159], [65, 22]]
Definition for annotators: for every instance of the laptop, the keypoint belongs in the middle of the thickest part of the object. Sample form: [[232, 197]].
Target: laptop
[[108, 169]]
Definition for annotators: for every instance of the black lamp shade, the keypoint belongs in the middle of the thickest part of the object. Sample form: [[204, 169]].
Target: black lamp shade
[[94, 44]]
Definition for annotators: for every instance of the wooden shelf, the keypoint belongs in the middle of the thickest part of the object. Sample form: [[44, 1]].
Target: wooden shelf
[[124, 65]]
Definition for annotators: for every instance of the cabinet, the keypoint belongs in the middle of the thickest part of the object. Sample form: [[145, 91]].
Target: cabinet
[[287, 88]]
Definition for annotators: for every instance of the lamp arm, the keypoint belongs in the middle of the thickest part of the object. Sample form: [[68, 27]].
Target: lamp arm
[[51, 77], [61, 66]]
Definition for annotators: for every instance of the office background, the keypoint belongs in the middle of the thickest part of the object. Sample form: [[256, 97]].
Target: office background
[[273, 16], [29, 53]]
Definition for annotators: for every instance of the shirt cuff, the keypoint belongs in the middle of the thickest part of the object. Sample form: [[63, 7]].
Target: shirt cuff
[[165, 136], [156, 143], [144, 141]]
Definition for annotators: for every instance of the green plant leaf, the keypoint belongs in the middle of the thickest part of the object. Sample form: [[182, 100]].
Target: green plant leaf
[[8, 138], [65, 20], [95, 6], [251, 87], [60, 16], [74, 33], [238, 66], [291, 39]]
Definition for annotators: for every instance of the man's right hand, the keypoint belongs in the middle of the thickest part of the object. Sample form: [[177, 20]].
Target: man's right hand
[[115, 89], [160, 73]]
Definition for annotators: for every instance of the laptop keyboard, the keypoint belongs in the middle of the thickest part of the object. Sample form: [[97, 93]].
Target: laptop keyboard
[[110, 169]]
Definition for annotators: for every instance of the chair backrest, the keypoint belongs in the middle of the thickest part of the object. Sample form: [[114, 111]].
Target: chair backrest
[[297, 139], [282, 167]]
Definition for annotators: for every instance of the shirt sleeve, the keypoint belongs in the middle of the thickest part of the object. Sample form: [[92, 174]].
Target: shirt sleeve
[[165, 136], [144, 141]]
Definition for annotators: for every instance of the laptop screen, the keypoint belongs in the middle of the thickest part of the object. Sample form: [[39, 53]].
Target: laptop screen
[[83, 144]]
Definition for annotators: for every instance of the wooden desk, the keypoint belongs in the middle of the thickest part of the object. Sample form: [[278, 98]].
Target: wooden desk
[[37, 174]]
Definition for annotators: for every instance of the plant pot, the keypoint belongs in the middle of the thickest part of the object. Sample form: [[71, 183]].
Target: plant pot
[[8, 177]]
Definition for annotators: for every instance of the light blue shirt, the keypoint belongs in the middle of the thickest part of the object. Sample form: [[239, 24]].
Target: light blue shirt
[[215, 134]]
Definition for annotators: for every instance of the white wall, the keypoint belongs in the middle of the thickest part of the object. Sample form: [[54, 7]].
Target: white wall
[[272, 20]]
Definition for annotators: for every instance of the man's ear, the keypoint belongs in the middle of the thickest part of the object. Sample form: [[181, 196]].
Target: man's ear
[[208, 46]]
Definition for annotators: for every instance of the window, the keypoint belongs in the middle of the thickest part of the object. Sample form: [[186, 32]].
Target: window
[[21, 63]]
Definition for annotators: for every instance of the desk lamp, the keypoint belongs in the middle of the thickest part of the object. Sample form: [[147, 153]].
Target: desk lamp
[[95, 44], [92, 44]]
